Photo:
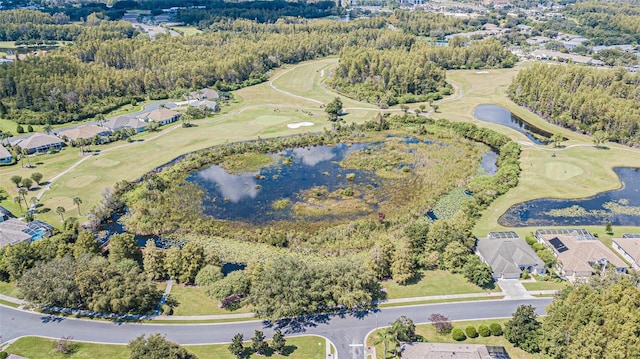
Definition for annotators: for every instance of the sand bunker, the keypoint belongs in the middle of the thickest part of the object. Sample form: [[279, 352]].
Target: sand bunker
[[300, 124]]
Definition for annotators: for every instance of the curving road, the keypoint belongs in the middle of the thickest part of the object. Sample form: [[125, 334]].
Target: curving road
[[347, 331]]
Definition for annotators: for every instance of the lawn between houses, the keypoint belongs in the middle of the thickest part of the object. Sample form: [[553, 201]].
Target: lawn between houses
[[304, 347]]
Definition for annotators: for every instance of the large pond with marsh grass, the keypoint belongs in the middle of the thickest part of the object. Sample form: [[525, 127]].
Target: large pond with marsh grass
[[621, 207], [502, 116], [272, 192]]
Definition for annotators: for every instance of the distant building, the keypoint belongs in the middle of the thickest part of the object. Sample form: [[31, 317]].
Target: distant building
[[5, 214], [508, 255], [163, 116], [39, 143], [84, 132], [205, 93], [5, 155], [451, 351], [14, 231], [121, 122], [578, 252], [629, 247], [556, 55]]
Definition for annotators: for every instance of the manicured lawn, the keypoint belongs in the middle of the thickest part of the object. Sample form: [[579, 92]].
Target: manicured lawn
[[540, 285], [186, 30], [436, 282], [10, 289], [195, 301], [7, 44], [307, 347], [431, 336], [574, 172], [40, 348]]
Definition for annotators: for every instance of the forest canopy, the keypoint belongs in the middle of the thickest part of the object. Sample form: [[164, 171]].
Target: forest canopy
[[582, 98]]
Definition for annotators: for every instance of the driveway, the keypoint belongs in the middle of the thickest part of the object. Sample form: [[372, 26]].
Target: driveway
[[513, 289]]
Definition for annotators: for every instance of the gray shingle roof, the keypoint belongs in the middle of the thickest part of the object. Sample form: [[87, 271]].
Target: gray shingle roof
[[4, 153], [506, 254]]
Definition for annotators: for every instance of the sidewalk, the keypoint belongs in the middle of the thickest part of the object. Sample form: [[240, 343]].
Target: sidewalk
[[252, 315]]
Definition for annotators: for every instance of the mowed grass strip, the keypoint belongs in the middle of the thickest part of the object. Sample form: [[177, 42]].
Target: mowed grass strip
[[428, 283], [195, 301], [307, 347], [431, 336]]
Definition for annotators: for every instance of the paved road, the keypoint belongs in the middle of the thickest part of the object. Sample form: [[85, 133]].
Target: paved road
[[346, 331]]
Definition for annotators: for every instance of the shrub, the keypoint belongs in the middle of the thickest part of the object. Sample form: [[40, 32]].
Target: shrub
[[484, 330], [458, 335], [496, 329], [471, 331], [19, 129], [442, 323]]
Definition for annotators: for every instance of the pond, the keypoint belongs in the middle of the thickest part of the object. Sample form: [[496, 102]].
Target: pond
[[502, 116], [251, 197], [489, 162], [621, 207]]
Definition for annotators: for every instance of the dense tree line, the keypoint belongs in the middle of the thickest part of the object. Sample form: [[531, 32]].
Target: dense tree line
[[606, 23], [394, 76], [105, 68], [595, 320], [23, 25], [260, 11], [435, 25], [66, 270], [388, 76], [583, 99]]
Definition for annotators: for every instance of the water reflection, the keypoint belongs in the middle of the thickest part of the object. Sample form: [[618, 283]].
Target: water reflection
[[250, 197], [501, 116], [621, 207], [231, 186]]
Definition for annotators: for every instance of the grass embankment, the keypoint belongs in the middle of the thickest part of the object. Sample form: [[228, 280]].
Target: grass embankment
[[430, 335], [10, 289], [195, 301], [575, 172], [40, 348], [428, 283]]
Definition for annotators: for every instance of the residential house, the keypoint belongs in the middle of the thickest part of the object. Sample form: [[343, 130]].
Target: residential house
[[578, 252], [5, 214], [508, 255], [452, 351], [629, 247], [210, 105], [556, 55], [14, 231], [162, 115], [39, 143], [626, 48], [5, 155], [205, 93], [121, 122], [86, 132]]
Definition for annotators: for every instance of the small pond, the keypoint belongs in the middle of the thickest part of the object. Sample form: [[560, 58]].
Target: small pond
[[621, 207], [501, 116], [250, 197], [489, 162]]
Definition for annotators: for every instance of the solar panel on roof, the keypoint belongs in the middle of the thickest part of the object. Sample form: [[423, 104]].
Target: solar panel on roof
[[558, 245]]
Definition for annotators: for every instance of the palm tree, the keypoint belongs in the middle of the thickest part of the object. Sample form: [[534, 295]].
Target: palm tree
[[23, 192], [384, 336], [25, 154], [18, 200], [34, 202], [60, 210], [47, 128], [77, 201]]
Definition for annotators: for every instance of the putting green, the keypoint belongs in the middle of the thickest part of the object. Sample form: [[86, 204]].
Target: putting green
[[80, 181], [269, 120], [560, 170], [105, 162]]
